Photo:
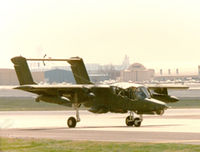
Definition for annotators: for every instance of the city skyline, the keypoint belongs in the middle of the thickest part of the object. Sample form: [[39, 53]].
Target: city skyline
[[35, 66]]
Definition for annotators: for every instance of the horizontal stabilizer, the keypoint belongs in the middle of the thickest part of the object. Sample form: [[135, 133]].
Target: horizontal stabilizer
[[77, 66]]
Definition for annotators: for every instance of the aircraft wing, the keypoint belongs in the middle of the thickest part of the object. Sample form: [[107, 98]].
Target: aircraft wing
[[160, 91], [58, 89], [162, 88], [62, 94], [50, 89], [167, 86]]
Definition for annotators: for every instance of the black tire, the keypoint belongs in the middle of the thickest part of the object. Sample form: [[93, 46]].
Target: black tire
[[71, 122], [129, 121], [137, 122]]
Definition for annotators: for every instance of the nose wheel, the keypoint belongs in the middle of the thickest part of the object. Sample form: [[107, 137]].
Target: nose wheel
[[137, 122], [130, 120]]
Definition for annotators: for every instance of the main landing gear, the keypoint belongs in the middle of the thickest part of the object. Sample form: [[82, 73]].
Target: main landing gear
[[130, 120], [71, 122]]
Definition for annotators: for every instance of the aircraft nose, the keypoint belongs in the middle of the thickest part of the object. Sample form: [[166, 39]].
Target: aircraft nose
[[158, 106]]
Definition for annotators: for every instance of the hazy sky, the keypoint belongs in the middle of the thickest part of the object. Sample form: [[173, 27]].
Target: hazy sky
[[157, 33]]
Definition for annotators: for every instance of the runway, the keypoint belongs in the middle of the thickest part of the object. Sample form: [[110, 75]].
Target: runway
[[175, 126]]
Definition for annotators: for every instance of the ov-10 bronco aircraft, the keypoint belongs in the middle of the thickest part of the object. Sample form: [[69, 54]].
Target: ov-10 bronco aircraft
[[117, 98]]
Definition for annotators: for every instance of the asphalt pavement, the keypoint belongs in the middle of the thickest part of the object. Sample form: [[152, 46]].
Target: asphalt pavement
[[175, 126]]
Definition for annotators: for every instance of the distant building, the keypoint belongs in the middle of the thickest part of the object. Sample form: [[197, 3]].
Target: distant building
[[9, 77], [98, 77], [38, 76], [199, 71], [59, 76], [177, 76], [137, 72]]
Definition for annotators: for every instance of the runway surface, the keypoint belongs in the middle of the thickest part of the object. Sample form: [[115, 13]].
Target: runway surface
[[175, 126]]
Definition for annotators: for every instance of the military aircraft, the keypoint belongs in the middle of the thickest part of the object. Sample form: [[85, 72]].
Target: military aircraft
[[117, 98]]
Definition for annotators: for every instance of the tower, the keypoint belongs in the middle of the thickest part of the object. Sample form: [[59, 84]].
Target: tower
[[177, 71], [125, 62], [161, 72], [169, 72]]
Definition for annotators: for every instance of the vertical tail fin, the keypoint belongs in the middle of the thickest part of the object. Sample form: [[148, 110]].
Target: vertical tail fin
[[22, 70], [79, 70]]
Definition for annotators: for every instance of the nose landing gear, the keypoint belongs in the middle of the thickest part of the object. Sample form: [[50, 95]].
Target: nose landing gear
[[130, 120]]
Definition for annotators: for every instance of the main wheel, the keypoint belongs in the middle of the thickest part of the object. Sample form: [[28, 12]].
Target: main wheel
[[137, 122], [129, 121], [71, 122]]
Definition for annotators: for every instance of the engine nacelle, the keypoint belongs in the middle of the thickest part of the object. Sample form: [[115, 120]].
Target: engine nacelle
[[54, 99]]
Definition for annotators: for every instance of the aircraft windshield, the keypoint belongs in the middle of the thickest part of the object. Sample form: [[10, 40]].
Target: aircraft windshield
[[142, 92], [133, 92]]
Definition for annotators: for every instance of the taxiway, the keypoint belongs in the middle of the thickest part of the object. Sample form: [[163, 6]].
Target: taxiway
[[175, 126]]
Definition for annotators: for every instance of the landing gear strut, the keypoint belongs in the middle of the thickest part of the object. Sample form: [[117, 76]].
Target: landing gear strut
[[71, 122], [130, 120]]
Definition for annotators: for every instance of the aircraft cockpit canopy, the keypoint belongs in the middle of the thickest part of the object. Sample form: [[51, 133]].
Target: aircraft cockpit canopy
[[140, 92]]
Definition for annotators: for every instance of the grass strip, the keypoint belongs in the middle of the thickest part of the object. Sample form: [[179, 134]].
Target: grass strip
[[42, 145]]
